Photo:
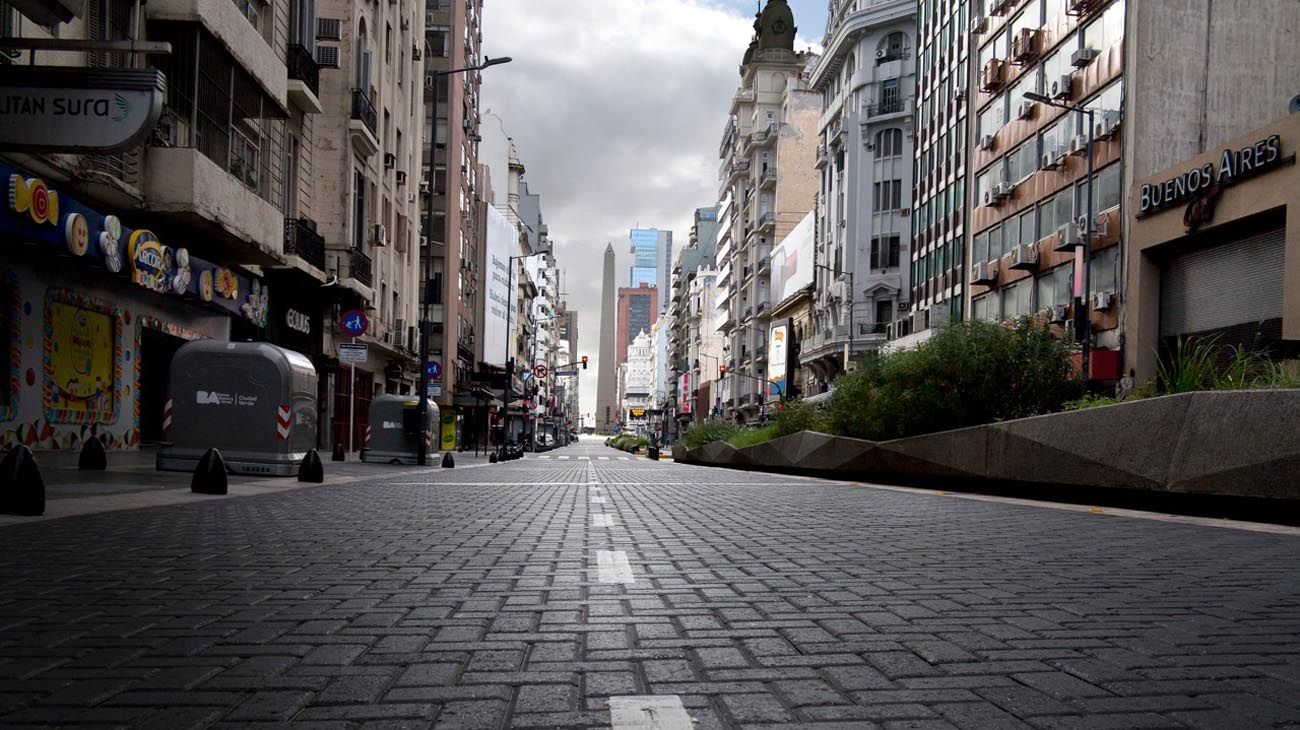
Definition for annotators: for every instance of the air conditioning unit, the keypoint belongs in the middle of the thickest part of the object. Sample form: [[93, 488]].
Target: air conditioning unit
[[1080, 7], [424, 241], [1068, 237], [424, 187], [329, 29], [1052, 160], [388, 338], [984, 273], [327, 56], [991, 78], [379, 235], [1057, 314], [401, 177], [417, 52], [1025, 110], [979, 26], [1083, 56], [1079, 145], [390, 160], [986, 142], [1002, 190], [1024, 46], [1102, 301], [987, 198], [998, 7], [1025, 256], [1106, 125], [1060, 88]]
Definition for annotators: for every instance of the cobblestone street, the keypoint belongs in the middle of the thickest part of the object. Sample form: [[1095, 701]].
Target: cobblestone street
[[529, 594]]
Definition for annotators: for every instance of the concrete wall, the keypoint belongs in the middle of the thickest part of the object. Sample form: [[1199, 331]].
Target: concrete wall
[[1203, 72], [1225, 443]]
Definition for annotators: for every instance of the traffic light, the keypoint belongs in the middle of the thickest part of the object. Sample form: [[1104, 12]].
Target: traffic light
[[722, 370], [584, 362]]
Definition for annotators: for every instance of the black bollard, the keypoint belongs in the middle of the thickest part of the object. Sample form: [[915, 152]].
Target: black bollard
[[492, 458], [312, 469], [448, 461], [338, 452], [22, 490], [93, 456], [210, 474]]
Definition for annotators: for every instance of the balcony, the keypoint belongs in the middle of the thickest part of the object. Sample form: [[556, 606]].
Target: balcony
[[886, 108], [762, 307], [767, 179], [738, 169], [304, 80], [766, 221], [229, 25], [743, 96], [302, 240], [360, 268], [761, 137], [746, 316], [822, 157], [363, 123]]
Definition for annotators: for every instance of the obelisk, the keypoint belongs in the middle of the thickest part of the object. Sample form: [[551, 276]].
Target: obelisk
[[606, 409]]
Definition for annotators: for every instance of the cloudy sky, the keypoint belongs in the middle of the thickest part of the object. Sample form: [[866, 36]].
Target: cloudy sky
[[617, 109]]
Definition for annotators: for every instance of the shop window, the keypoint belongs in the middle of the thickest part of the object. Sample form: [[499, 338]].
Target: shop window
[[1056, 287], [81, 371]]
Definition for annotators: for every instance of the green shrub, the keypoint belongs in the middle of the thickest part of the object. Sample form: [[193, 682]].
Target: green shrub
[[966, 375], [706, 433], [1090, 401], [798, 416], [1201, 363], [749, 436]]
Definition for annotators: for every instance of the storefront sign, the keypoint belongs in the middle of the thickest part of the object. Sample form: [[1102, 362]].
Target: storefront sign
[[66, 109], [34, 213], [297, 321], [777, 354], [1207, 182]]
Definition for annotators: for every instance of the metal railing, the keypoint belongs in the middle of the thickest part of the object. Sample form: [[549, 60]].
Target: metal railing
[[302, 67], [360, 267], [888, 106], [302, 240], [364, 111]]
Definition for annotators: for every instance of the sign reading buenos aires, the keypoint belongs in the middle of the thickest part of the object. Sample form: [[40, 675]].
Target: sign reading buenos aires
[[68, 109], [1234, 166]]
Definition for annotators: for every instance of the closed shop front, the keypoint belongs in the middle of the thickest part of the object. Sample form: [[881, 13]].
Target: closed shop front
[[1214, 251]]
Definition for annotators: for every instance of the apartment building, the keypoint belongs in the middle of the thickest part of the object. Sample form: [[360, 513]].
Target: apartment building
[[866, 78], [936, 263], [684, 340], [171, 235], [365, 151], [768, 150], [1029, 195]]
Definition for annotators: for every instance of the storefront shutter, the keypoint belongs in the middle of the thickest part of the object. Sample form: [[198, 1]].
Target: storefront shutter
[[1233, 283]]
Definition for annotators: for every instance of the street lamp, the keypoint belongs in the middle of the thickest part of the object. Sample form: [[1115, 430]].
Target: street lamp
[[850, 303], [422, 449], [1082, 315]]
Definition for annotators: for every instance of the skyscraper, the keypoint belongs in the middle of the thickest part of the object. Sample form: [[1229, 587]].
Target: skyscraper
[[606, 380], [638, 310], [652, 256]]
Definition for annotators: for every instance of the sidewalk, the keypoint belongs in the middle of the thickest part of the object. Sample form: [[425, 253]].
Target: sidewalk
[[132, 482]]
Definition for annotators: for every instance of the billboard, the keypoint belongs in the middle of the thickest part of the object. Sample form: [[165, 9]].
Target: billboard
[[502, 243], [685, 400], [792, 261], [777, 354]]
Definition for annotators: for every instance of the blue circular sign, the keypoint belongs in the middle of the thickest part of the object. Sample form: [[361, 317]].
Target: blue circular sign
[[354, 322], [434, 369]]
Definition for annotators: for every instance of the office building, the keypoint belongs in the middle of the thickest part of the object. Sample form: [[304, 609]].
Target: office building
[[638, 310]]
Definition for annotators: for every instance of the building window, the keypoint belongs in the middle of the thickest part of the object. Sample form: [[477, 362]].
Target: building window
[[1107, 30], [884, 252], [439, 40], [889, 143], [884, 311], [983, 309], [888, 195], [891, 97], [1056, 287], [358, 210], [1015, 300], [892, 48]]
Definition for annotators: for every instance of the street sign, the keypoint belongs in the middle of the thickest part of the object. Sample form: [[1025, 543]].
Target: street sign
[[435, 390], [354, 322], [434, 369], [566, 373], [540, 371], [353, 354]]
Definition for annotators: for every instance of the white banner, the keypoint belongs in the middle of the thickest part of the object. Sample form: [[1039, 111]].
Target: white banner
[[502, 243], [792, 261]]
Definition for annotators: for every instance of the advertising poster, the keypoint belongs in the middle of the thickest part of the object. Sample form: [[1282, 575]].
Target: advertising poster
[[685, 401], [502, 243], [80, 364], [777, 354], [792, 261], [448, 441]]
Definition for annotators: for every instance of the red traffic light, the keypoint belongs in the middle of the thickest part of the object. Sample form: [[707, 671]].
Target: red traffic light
[[584, 362], [722, 369]]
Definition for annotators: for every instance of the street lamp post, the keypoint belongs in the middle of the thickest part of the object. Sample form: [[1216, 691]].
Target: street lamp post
[[850, 303], [1082, 306], [422, 449]]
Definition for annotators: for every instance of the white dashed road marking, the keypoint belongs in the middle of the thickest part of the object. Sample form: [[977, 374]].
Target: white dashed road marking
[[648, 713], [612, 567], [597, 500], [603, 458], [602, 520], [564, 458]]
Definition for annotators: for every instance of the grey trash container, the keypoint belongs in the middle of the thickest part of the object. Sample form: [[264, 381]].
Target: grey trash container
[[254, 402], [395, 430]]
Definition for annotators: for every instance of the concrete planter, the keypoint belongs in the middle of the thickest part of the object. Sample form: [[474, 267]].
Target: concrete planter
[[1228, 443]]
